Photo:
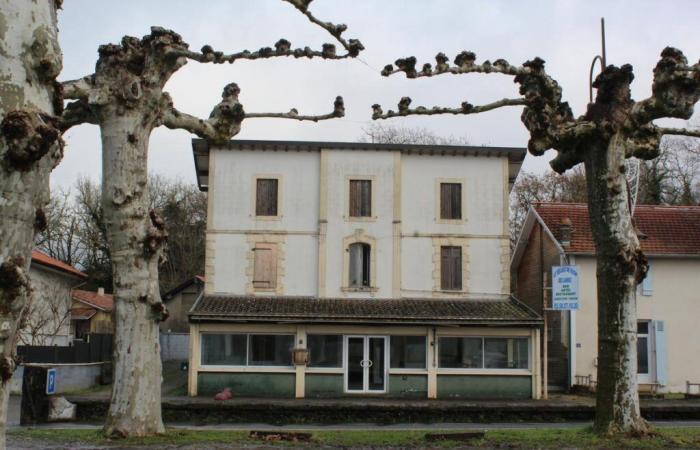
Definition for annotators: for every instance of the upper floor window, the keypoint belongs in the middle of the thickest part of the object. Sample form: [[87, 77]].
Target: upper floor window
[[451, 268], [266, 194], [360, 198], [451, 201], [359, 275], [264, 267]]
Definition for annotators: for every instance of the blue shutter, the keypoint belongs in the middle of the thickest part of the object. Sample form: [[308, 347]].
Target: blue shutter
[[660, 351], [646, 284]]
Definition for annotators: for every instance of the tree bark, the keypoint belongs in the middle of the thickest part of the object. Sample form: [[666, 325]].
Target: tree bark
[[136, 238], [30, 147], [620, 266]]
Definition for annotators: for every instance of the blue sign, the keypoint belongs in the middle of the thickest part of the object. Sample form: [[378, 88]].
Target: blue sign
[[565, 287], [51, 381]]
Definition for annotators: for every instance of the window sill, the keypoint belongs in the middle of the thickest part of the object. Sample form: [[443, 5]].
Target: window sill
[[360, 218], [359, 289], [451, 221], [455, 371], [267, 218]]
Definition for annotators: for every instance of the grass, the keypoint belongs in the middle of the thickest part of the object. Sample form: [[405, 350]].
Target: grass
[[512, 439]]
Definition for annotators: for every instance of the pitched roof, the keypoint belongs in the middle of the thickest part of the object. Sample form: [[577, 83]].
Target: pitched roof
[[39, 257], [198, 279], [82, 313], [670, 230], [334, 310], [103, 302]]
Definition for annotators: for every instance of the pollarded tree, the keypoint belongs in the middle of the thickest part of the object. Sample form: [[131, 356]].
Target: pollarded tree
[[614, 128], [30, 147], [125, 98]]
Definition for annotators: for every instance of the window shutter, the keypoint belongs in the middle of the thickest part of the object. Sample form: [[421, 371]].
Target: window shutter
[[266, 197], [355, 275], [451, 268], [456, 198], [445, 269], [360, 198], [457, 268], [366, 207], [264, 270], [660, 351], [450, 201], [646, 283], [445, 205]]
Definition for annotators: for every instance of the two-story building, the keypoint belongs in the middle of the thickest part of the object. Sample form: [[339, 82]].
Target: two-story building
[[340, 269], [668, 300]]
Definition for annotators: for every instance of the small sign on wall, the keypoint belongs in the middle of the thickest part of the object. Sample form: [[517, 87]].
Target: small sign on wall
[[565, 288], [50, 381]]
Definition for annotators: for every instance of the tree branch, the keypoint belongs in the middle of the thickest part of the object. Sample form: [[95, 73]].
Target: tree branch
[[76, 113], [338, 111], [283, 47], [78, 89], [464, 63], [466, 108], [679, 132]]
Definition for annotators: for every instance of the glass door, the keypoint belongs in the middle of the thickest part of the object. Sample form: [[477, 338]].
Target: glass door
[[365, 364]]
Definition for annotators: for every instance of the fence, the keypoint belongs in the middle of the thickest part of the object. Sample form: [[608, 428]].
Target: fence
[[174, 346], [96, 348]]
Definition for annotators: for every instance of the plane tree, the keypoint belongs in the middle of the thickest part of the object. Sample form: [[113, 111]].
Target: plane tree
[[613, 128], [125, 97]]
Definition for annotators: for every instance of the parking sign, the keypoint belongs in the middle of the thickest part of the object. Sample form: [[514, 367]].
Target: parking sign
[[51, 381], [565, 287]]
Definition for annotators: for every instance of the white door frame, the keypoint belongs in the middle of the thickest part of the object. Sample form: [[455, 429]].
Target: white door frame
[[365, 369], [647, 378]]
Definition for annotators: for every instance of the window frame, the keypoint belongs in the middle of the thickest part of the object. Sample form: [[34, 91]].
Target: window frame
[[459, 202], [483, 368], [359, 237], [361, 200], [342, 352], [425, 356], [372, 202], [254, 196], [247, 366], [438, 201], [459, 272]]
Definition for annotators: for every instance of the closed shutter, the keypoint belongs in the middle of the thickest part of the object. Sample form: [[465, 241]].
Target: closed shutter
[[264, 271], [450, 201], [660, 351], [451, 268], [360, 198], [266, 197]]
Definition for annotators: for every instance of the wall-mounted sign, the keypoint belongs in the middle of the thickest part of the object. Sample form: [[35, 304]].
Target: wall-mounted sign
[[565, 287]]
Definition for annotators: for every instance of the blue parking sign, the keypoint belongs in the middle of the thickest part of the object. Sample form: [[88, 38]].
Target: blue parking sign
[[51, 381]]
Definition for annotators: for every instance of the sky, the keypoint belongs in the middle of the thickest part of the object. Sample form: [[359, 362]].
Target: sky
[[565, 33]]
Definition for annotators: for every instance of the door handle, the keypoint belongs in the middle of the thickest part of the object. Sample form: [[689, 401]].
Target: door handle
[[369, 363]]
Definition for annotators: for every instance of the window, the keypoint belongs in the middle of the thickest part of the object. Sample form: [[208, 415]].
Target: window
[[325, 350], [646, 283], [643, 348], [451, 201], [478, 353], [451, 268], [266, 197], [264, 267], [246, 349], [224, 349], [407, 352], [360, 198], [359, 275], [270, 349]]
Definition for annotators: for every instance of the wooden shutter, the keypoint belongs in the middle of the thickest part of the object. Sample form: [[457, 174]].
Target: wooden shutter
[[451, 268], [360, 198], [266, 197], [450, 201], [264, 268]]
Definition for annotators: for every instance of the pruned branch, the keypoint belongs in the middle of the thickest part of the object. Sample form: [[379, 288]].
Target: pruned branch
[[679, 132], [464, 63], [282, 47], [76, 113], [338, 111], [466, 108], [77, 89]]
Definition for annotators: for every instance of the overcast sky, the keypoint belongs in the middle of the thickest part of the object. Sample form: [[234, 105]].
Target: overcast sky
[[565, 33]]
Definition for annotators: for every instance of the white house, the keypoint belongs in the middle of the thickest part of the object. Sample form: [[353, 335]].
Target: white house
[[339, 269]]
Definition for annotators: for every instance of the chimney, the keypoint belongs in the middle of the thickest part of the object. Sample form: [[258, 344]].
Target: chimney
[[101, 291], [565, 232]]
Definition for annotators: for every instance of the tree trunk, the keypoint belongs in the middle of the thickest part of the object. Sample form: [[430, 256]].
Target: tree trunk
[[135, 239], [620, 266], [30, 147]]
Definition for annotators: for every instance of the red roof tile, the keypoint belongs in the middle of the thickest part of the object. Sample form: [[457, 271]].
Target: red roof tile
[[671, 230], [104, 302], [82, 313], [44, 259]]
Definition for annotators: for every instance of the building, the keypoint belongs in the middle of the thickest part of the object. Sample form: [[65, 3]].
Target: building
[[340, 269], [92, 312], [49, 316], [179, 301], [668, 300]]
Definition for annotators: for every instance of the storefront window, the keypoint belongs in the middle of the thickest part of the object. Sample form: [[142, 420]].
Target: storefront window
[[505, 353], [270, 349], [407, 352], [325, 350], [461, 352], [224, 349]]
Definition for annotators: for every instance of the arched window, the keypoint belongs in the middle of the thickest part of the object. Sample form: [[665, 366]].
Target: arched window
[[359, 275]]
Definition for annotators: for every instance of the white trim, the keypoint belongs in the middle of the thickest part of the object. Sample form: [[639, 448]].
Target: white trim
[[517, 372], [248, 369], [365, 370]]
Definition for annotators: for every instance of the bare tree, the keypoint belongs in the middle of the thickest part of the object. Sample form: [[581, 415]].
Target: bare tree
[[672, 178], [125, 98], [48, 316], [614, 128], [30, 147], [60, 238], [389, 134]]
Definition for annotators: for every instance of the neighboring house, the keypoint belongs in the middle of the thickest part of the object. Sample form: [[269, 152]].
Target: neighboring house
[[179, 301], [668, 300], [48, 318], [92, 312], [338, 269]]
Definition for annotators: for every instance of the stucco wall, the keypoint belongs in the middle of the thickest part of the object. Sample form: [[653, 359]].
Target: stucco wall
[[675, 299], [49, 318]]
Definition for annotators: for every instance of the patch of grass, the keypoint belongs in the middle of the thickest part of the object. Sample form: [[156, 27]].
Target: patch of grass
[[510, 438]]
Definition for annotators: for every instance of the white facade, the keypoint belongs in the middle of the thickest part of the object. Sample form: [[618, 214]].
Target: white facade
[[312, 229]]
